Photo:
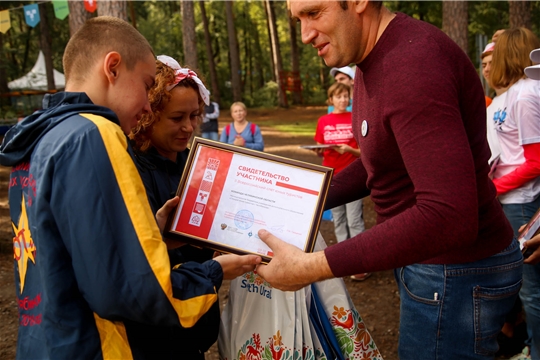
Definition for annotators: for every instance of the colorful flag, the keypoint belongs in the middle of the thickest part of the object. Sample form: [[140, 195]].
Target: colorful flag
[[90, 5], [31, 14], [61, 9], [5, 21]]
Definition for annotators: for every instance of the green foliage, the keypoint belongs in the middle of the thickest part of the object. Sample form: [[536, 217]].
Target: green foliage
[[429, 11], [7, 113], [162, 28], [161, 23], [300, 129], [21, 42], [263, 97]]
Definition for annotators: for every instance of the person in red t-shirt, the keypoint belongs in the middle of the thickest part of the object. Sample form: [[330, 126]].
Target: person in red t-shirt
[[336, 128]]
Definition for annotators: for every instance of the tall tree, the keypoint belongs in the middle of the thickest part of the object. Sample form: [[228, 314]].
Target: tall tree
[[77, 15], [132, 14], [259, 57], [276, 51], [295, 58], [188, 34], [210, 55], [3, 73], [234, 53], [45, 42], [455, 22], [520, 14], [116, 8], [272, 63]]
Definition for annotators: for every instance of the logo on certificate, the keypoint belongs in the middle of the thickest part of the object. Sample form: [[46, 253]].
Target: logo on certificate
[[212, 164], [203, 196], [195, 220], [199, 208]]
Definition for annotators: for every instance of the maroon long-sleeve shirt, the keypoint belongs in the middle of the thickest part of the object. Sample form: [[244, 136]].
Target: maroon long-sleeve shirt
[[424, 157]]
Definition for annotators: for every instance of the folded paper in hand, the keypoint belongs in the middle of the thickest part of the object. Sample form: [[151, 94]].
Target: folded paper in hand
[[530, 230]]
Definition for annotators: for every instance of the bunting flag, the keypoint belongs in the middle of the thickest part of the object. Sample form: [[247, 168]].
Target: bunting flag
[[31, 14], [5, 21], [90, 5], [61, 9]]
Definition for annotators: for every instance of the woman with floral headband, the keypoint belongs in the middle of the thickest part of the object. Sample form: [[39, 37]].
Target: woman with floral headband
[[160, 140]]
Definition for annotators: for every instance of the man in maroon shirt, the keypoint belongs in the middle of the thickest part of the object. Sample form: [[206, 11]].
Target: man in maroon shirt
[[419, 118]]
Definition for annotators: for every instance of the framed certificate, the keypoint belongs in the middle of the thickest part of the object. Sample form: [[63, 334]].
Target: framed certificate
[[228, 193]]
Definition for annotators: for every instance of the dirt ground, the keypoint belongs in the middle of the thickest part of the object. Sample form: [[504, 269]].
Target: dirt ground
[[376, 298]]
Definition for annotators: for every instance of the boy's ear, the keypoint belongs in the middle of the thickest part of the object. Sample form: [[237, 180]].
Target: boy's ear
[[111, 66]]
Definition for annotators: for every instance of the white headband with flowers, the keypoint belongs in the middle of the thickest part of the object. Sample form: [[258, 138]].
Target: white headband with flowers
[[181, 74]]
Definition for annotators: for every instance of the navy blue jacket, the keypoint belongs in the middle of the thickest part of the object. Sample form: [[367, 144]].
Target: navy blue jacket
[[161, 177], [89, 257]]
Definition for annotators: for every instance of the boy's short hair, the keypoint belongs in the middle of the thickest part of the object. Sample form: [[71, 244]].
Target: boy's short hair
[[97, 37], [338, 88]]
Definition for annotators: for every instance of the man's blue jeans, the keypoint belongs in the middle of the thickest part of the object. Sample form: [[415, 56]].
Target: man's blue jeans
[[456, 311], [519, 214]]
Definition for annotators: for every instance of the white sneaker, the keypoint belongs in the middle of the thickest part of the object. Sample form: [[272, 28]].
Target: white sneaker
[[524, 355]]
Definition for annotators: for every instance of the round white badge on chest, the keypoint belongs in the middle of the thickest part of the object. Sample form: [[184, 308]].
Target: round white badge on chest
[[364, 128]]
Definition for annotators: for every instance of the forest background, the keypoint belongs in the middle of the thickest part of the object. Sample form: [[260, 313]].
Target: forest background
[[247, 51]]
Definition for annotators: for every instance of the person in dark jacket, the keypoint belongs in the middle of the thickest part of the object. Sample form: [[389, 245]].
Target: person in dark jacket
[[89, 258], [160, 140], [209, 126]]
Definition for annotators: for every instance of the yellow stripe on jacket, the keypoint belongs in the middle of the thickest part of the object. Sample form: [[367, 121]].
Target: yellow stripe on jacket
[[132, 189], [114, 340]]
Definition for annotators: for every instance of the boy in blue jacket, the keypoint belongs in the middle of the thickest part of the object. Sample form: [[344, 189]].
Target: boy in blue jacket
[[88, 254]]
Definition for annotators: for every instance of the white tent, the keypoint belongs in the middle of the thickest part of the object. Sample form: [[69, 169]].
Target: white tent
[[36, 79]]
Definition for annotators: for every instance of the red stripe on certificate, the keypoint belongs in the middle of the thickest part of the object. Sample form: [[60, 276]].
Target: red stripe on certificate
[[297, 188], [196, 216]]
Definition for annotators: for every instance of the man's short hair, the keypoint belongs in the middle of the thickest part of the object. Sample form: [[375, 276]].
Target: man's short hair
[[96, 38]]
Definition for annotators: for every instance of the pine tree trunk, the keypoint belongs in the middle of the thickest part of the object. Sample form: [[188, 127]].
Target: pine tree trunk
[[295, 58], [268, 26], [77, 15], [132, 14], [45, 42], [188, 35], [3, 74], [276, 51], [259, 60], [210, 55], [116, 8], [455, 22], [234, 53], [520, 14]]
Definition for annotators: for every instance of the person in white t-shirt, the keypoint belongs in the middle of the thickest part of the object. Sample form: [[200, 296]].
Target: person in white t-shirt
[[517, 174], [495, 109]]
